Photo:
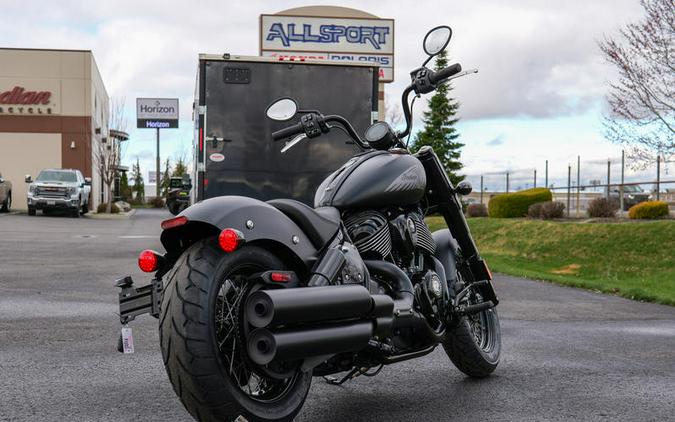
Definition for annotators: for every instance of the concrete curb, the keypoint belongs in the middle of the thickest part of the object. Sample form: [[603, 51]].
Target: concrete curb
[[103, 216]]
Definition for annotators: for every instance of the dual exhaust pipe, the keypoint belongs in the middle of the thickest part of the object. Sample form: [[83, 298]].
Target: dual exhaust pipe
[[294, 324]]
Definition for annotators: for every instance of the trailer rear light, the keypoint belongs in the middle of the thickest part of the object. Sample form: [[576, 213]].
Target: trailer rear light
[[230, 239], [174, 222], [281, 277], [148, 261], [201, 139]]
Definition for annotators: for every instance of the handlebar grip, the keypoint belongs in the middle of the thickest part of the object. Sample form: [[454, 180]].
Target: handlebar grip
[[445, 73], [287, 132]]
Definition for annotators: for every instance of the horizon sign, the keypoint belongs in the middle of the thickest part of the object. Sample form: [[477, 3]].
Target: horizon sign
[[364, 40], [157, 113]]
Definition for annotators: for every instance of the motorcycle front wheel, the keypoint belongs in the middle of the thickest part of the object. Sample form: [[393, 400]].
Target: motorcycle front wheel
[[202, 337], [474, 344]]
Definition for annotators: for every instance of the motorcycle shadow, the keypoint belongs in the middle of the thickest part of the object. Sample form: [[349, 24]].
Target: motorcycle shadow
[[440, 396]]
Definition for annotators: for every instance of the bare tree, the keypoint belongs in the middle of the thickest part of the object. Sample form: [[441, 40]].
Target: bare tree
[[108, 151], [392, 112], [642, 100]]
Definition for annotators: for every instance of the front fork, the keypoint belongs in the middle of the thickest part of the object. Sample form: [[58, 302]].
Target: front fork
[[440, 191]]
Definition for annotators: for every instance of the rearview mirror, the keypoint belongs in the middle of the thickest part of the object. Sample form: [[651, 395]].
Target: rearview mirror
[[282, 109], [87, 181], [29, 179], [437, 39]]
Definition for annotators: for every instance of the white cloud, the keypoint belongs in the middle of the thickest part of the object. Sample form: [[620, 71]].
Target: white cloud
[[536, 58]]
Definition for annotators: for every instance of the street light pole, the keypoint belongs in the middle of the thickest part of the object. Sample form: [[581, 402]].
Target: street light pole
[[157, 166]]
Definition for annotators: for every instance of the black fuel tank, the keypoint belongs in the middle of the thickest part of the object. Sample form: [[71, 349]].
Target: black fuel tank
[[372, 180]]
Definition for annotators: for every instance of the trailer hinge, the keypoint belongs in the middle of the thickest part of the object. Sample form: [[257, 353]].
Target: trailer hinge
[[202, 109]]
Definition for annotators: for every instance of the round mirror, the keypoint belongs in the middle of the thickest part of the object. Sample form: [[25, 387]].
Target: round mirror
[[282, 109], [437, 39]]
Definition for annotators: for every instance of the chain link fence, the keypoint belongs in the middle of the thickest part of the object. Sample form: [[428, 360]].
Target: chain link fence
[[577, 183]]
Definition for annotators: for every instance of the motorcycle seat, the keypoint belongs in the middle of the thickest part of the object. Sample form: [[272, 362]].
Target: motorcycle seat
[[319, 224]]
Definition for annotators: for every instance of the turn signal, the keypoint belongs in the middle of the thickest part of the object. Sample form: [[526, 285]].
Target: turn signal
[[230, 239], [148, 261]]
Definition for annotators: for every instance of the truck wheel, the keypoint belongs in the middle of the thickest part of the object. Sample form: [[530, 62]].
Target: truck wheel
[[85, 208], [75, 213], [7, 205], [201, 335], [31, 211]]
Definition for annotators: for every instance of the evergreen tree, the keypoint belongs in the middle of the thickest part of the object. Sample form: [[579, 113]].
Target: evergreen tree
[[181, 168], [139, 185], [166, 177], [125, 189], [439, 132]]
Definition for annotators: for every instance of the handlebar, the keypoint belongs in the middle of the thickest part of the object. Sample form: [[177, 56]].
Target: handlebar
[[287, 132], [424, 81], [321, 124], [445, 73]]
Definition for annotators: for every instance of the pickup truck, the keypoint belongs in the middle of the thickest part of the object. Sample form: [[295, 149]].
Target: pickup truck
[[64, 189], [5, 194]]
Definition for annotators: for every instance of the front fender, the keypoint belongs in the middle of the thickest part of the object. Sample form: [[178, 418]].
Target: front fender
[[267, 225]]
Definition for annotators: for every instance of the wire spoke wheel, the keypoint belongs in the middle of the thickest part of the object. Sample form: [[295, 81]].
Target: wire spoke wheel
[[231, 331], [482, 326]]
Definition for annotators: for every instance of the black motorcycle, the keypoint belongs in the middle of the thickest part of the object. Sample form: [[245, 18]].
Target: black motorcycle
[[262, 296]]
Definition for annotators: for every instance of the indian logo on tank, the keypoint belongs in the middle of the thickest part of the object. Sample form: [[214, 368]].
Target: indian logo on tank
[[409, 179]]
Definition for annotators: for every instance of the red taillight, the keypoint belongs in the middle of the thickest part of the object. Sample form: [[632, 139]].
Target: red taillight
[[174, 222], [280, 277], [230, 239], [148, 261]]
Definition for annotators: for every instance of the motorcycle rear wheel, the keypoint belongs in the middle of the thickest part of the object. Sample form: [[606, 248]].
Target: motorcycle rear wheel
[[201, 336]]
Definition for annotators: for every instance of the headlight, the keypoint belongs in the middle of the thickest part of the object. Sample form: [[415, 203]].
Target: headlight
[[72, 191], [31, 188], [631, 196]]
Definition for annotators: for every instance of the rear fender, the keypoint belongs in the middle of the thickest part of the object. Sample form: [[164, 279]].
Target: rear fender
[[259, 222]]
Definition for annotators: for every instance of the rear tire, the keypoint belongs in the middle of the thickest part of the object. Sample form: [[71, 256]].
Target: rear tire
[[190, 329], [476, 355]]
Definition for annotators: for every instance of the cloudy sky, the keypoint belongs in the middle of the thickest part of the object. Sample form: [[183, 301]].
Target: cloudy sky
[[538, 95]]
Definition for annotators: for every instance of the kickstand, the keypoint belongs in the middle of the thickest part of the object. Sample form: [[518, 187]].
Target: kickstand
[[350, 376]]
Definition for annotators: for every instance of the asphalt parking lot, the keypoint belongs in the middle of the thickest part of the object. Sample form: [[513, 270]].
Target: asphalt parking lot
[[568, 354]]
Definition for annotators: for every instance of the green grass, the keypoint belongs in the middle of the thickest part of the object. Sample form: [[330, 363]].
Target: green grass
[[633, 260]]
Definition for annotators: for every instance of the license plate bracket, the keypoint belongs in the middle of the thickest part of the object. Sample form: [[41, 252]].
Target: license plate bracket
[[138, 301]]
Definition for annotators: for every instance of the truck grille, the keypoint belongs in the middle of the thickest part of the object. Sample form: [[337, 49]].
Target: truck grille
[[51, 192]]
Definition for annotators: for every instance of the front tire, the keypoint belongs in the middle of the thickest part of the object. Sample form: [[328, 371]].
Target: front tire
[[474, 345], [201, 342]]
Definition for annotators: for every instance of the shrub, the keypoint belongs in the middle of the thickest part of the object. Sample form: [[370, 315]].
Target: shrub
[[649, 210], [602, 207], [476, 210], [156, 202], [114, 209], [516, 204], [534, 210], [552, 209]]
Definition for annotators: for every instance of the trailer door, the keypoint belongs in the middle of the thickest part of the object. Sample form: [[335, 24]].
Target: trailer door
[[240, 156]]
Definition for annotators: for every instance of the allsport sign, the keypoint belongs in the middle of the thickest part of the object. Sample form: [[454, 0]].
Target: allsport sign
[[364, 40], [157, 113]]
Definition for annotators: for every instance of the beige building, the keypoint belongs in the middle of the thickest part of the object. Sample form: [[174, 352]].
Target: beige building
[[53, 114]]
